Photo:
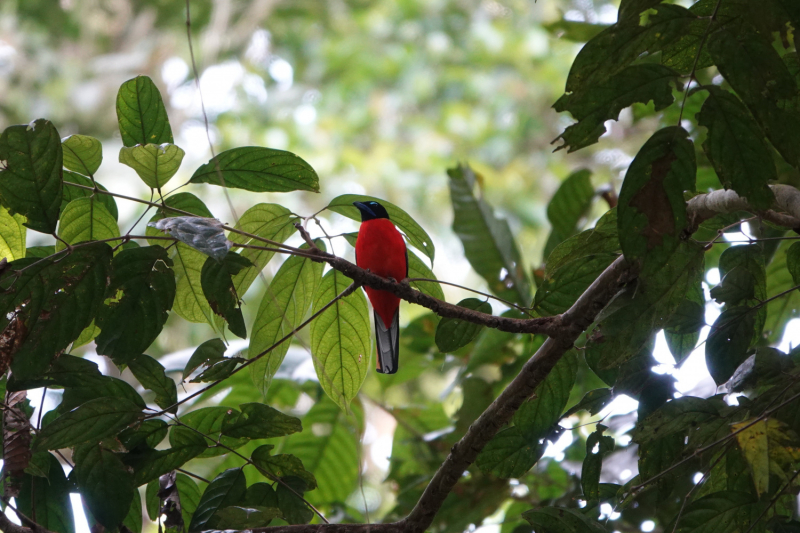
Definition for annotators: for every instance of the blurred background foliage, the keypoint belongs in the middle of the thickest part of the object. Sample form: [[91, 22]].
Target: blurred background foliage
[[381, 97]]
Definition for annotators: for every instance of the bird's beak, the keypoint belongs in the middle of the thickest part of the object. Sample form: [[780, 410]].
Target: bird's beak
[[365, 210]]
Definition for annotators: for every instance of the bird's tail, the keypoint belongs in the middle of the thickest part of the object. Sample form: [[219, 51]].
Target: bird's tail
[[388, 340]]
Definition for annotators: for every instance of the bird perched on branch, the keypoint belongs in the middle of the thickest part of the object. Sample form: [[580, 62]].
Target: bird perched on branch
[[380, 248]]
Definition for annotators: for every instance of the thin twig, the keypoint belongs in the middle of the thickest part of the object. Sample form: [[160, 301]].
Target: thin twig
[[484, 294]]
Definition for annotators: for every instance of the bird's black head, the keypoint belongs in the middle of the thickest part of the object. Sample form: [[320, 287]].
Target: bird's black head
[[371, 210]]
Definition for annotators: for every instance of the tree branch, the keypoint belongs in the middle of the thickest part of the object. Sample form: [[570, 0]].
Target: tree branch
[[785, 211]]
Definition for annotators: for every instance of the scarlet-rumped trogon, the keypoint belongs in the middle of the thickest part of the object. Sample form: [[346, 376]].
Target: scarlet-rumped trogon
[[380, 248]]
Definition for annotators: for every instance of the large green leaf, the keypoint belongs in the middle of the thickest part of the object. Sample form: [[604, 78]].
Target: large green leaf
[[105, 484], [598, 240], [417, 237], [561, 520], [282, 465], [259, 421], [207, 353], [30, 183], [226, 489], [340, 339], [190, 495], [568, 205], [594, 104], [154, 163], [652, 211], [488, 242], [90, 422], [597, 447], [258, 169], [454, 333], [562, 287], [133, 520], [216, 279], [152, 375], [683, 329], [12, 235], [141, 113], [208, 421], [60, 300], [284, 305], [85, 219], [328, 448], [538, 415], [294, 510], [82, 154], [510, 454], [269, 221], [782, 273], [150, 464], [615, 48], [418, 269], [736, 148], [680, 415], [761, 79], [729, 341], [71, 193], [48, 499], [721, 511], [129, 324]]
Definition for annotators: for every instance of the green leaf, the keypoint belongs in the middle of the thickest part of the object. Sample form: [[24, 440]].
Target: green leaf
[[85, 219], [454, 333], [755, 444], [602, 238], [82, 154], [597, 447], [652, 211], [729, 341], [208, 421], [30, 183], [793, 261], [133, 520], [235, 517], [721, 511], [48, 500], [615, 48], [207, 353], [258, 169], [593, 401], [568, 205], [218, 370], [736, 148], [95, 387], [12, 235], [737, 285], [417, 237], [510, 454], [561, 520], [561, 288], [592, 105], [329, 449], [216, 280], [148, 434], [683, 329], [340, 339], [536, 417], [418, 269], [284, 305], [261, 495], [633, 8], [676, 416], [259, 421], [488, 242], [152, 375], [190, 495], [269, 221], [105, 484], [141, 113], [129, 324], [151, 464], [294, 510], [154, 163], [92, 421], [226, 489], [184, 201], [190, 302], [760, 78], [61, 299], [281, 466], [73, 193]]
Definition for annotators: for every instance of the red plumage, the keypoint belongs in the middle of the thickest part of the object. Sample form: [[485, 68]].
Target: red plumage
[[380, 248]]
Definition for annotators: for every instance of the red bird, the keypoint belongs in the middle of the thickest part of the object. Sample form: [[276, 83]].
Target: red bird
[[380, 248]]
